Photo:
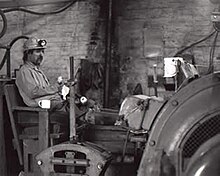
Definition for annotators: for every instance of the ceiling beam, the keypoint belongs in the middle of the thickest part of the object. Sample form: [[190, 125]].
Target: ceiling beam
[[23, 3]]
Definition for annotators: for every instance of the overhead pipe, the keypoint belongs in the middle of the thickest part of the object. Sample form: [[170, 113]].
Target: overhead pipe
[[108, 54], [4, 20], [7, 56], [2, 14], [40, 13]]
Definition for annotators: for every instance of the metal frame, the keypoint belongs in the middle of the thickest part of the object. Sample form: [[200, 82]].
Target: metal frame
[[187, 107]]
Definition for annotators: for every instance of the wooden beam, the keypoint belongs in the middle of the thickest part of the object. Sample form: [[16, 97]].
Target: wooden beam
[[23, 3]]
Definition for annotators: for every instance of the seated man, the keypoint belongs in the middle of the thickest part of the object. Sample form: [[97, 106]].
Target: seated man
[[34, 86]]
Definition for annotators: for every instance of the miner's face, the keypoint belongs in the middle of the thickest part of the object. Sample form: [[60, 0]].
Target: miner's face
[[36, 56]]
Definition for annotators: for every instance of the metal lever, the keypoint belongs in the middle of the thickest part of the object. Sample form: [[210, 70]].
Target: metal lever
[[155, 79]]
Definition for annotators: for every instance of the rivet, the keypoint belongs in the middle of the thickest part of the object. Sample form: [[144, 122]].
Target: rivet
[[174, 102], [152, 143], [39, 162], [100, 166]]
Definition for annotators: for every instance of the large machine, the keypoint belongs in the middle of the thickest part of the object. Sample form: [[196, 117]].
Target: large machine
[[177, 136], [183, 131], [183, 134]]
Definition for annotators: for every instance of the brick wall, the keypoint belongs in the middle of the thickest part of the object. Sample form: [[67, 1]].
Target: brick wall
[[68, 34], [145, 31]]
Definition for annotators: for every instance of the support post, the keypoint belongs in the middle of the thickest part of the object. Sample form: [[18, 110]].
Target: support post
[[72, 102], [108, 54], [3, 167]]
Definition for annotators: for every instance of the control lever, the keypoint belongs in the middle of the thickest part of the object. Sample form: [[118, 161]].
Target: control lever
[[155, 79], [72, 102], [73, 157]]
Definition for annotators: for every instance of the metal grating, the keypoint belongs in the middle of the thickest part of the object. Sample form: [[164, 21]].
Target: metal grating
[[205, 131]]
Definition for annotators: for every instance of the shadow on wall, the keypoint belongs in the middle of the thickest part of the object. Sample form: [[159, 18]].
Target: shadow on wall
[[92, 80]]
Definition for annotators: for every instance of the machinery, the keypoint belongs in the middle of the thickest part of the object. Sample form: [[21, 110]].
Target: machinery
[[176, 137], [73, 157], [183, 138], [179, 136], [182, 132], [181, 128]]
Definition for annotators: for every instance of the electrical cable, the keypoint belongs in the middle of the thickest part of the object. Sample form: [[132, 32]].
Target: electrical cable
[[201, 40], [2, 14], [3, 46], [193, 44], [212, 52], [216, 26], [17, 38], [4, 20], [8, 48], [6, 56], [125, 146], [40, 13]]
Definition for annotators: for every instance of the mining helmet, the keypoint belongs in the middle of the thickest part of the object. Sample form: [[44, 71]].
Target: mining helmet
[[34, 43]]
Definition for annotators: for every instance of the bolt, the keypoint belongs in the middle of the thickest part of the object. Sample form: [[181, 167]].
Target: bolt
[[152, 143], [100, 166], [39, 162], [175, 103]]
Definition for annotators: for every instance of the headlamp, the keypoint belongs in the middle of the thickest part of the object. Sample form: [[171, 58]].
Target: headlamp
[[34, 43], [42, 42]]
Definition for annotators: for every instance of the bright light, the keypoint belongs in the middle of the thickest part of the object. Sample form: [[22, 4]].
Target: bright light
[[199, 171]]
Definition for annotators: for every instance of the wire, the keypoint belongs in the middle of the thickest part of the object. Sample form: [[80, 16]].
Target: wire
[[2, 14], [6, 56], [4, 23], [3, 46], [216, 26], [40, 13], [125, 146], [193, 44], [17, 38], [8, 48], [212, 52]]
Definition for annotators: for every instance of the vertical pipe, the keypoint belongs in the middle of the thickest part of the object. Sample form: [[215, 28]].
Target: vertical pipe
[[71, 68], [3, 165], [108, 54], [72, 102], [8, 63]]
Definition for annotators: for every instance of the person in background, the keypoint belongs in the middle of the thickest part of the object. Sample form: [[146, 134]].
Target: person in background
[[33, 85]]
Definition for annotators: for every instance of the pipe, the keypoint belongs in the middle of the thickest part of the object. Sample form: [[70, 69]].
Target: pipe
[[7, 57], [4, 23], [72, 102], [40, 13], [108, 54], [2, 14]]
